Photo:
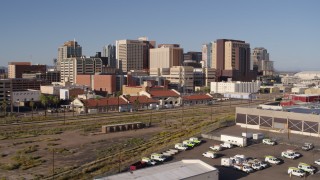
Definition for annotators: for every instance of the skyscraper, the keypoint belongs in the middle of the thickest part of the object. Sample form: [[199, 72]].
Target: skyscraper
[[133, 54], [207, 55], [231, 59], [67, 50], [109, 51], [261, 62], [166, 56]]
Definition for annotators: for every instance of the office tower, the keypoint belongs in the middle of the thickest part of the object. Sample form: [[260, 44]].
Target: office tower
[[133, 54], [67, 50], [166, 56], [109, 52], [16, 69], [70, 67], [207, 55], [261, 62], [231, 59]]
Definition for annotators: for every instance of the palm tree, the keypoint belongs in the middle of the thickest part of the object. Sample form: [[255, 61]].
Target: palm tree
[[44, 101]]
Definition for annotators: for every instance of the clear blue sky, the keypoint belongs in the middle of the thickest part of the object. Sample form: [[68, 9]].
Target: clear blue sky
[[32, 30]]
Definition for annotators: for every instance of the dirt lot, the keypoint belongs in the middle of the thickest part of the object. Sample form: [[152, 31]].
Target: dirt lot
[[72, 148], [257, 151]]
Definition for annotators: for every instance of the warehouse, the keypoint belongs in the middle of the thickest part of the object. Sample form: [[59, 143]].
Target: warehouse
[[185, 169], [295, 120]]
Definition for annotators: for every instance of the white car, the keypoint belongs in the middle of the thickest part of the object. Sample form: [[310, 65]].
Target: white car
[[210, 154], [264, 164], [296, 172], [256, 166], [307, 168], [268, 142], [247, 169], [317, 162], [216, 148], [272, 160], [288, 155], [180, 146], [295, 154], [226, 145]]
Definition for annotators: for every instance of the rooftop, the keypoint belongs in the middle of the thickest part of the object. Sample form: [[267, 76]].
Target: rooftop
[[172, 171]]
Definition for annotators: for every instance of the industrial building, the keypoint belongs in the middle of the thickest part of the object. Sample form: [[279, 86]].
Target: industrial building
[[297, 120], [184, 169]]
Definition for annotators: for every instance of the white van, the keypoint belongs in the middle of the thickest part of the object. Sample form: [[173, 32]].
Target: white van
[[158, 157]]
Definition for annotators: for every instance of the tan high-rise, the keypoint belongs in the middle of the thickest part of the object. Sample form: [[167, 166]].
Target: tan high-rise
[[166, 56]]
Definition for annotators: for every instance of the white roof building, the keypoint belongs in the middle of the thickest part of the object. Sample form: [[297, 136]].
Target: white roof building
[[184, 169]]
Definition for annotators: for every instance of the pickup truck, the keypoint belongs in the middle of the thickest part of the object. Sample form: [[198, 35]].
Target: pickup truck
[[288, 155], [195, 140], [243, 168], [138, 165], [210, 154], [216, 147], [268, 142], [226, 145], [272, 160], [188, 143], [307, 146], [149, 161]]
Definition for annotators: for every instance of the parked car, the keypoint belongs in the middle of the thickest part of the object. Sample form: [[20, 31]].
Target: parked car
[[272, 160], [180, 146], [216, 147], [188, 143], [295, 154], [307, 146], [158, 157], [288, 155], [149, 161], [226, 145], [268, 142], [243, 168], [210, 154], [317, 162], [196, 140], [307, 168], [296, 172]]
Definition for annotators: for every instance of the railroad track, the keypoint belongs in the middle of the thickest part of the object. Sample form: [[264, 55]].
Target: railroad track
[[113, 115]]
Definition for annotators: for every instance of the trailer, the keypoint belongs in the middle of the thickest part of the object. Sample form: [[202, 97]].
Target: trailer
[[235, 140], [247, 135], [257, 136]]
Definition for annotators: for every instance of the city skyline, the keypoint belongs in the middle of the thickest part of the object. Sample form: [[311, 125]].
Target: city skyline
[[33, 30]]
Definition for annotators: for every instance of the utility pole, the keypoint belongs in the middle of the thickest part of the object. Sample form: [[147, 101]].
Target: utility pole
[[64, 115], [211, 112], [53, 164]]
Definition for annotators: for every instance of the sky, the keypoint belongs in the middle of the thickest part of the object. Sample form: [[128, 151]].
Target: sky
[[289, 29]]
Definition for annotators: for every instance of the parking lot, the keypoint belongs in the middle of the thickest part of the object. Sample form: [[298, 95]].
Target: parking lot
[[257, 151]]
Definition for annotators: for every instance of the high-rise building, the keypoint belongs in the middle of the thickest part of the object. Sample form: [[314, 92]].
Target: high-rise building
[[133, 54], [109, 52], [16, 69], [70, 67], [231, 59], [166, 56], [207, 55], [261, 61], [67, 50]]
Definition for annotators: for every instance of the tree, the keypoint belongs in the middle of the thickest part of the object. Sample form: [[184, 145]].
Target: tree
[[136, 104], [118, 94], [55, 100], [44, 101], [128, 98], [4, 106], [31, 104]]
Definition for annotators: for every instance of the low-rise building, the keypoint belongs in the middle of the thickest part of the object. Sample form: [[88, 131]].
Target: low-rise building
[[184, 169], [197, 99], [232, 87], [166, 98]]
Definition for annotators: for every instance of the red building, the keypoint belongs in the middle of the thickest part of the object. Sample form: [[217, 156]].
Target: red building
[[98, 83]]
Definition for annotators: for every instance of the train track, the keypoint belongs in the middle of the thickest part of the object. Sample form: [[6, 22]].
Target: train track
[[114, 115]]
